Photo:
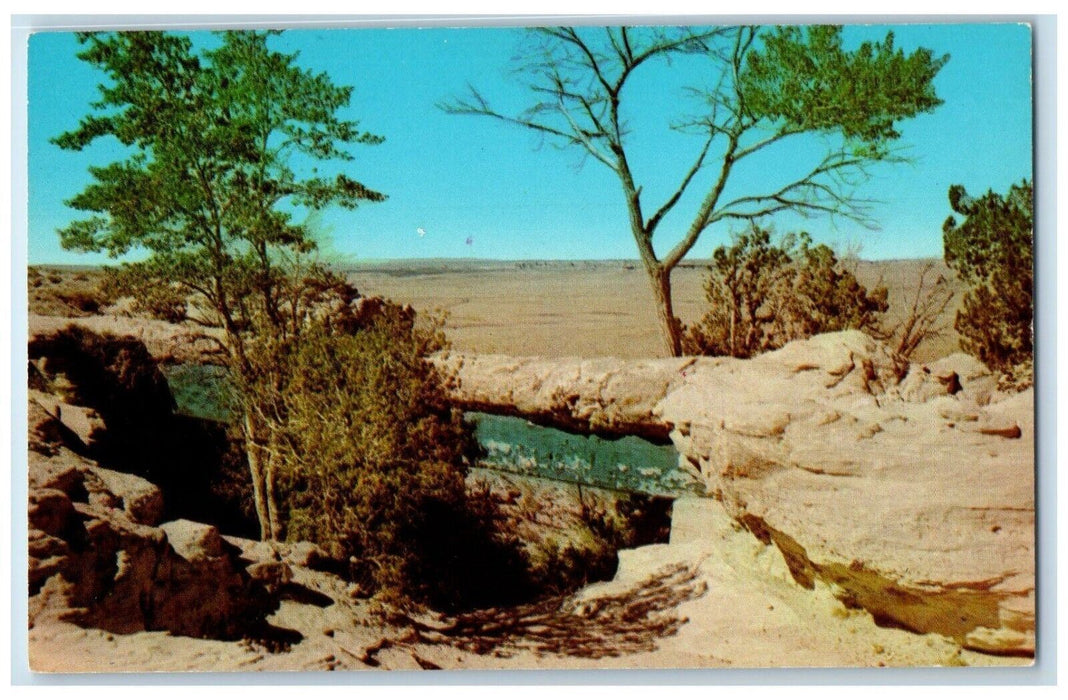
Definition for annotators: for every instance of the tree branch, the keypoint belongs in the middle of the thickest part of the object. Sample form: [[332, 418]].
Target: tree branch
[[481, 108], [582, 138], [651, 225], [807, 195], [570, 35], [702, 220], [783, 133]]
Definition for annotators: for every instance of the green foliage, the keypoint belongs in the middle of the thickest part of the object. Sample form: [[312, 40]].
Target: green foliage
[[212, 139], [803, 77], [371, 459], [763, 295], [992, 251]]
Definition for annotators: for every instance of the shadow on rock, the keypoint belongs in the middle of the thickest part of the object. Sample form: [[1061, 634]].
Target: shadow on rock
[[117, 410], [272, 638], [304, 595], [593, 628]]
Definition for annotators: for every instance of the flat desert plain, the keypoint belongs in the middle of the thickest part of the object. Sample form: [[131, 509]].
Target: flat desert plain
[[591, 308]]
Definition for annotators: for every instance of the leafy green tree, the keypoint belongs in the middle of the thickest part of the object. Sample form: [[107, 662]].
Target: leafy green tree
[[770, 85], [991, 250], [372, 460], [209, 182], [762, 295]]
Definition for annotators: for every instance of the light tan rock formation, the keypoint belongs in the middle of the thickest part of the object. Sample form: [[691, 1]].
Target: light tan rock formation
[[605, 395], [908, 489], [166, 342], [94, 565]]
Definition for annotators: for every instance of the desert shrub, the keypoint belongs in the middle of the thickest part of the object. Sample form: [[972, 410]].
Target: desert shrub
[[626, 520], [564, 566], [463, 557], [371, 459], [71, 295], [82, 300], [762, 295], [923, 318], [991, 250], [165, 301]]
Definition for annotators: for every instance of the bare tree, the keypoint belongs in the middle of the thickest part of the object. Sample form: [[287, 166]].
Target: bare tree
[[924, 319], [769, 85]]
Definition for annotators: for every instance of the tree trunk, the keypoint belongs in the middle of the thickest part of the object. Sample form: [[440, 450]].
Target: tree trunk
[[274, 518], [670, 329], [257, 471]]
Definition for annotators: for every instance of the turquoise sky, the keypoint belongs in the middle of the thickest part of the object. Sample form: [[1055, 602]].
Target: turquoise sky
[[478, 188]]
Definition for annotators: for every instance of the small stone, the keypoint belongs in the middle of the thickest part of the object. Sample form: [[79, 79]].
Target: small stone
[[193, 541], [1011, 433], [272, 574]]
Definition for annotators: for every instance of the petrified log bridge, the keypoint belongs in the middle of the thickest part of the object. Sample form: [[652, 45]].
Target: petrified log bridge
[[908, 488], [604, 396]]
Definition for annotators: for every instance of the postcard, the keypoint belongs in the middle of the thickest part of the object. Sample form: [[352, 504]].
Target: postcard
[[531, 347]]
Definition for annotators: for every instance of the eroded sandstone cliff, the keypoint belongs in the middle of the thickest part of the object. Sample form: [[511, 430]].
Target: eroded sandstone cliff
[[908, 489]]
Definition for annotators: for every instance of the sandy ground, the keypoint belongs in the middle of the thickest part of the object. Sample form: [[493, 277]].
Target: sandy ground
[[727, 602], [587, 310]]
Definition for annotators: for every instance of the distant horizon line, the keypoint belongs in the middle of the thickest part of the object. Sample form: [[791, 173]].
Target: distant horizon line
[[372, 262]]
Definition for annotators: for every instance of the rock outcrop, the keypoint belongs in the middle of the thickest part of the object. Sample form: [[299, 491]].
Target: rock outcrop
[[98, 555], [166, 342], [904, 493], [113, 405], [908, 489], [98, 558]]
